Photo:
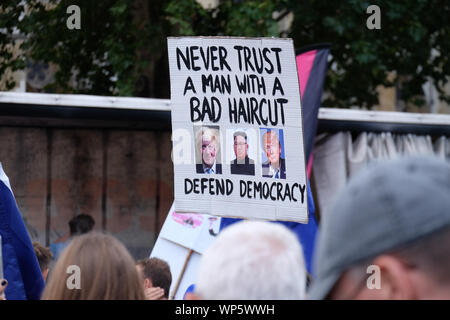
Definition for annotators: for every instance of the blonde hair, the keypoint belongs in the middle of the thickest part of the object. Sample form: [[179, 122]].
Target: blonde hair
[[256, 261], [273, 134], [108, 271], [213, 133]]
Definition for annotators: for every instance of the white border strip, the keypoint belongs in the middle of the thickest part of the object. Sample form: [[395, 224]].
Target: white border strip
[[79, 100], [4, 178], [383, 116]]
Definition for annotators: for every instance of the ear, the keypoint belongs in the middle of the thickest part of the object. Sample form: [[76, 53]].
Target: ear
[[397, 282], [192, 296], [45, 274], [148, 283]]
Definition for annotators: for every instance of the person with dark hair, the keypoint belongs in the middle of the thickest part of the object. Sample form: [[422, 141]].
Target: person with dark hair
[[78, 225], [242, 164], [81, 224], [157, 278], [44, 256]]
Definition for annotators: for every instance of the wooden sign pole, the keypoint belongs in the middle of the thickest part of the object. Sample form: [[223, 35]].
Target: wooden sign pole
[[175, 288]]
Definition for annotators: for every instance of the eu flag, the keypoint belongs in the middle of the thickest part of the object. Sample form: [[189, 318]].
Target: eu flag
[[20, 264]]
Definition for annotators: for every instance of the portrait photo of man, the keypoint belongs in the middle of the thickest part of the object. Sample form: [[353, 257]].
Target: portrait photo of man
[[242, 164], [208, 150], [274, 165]]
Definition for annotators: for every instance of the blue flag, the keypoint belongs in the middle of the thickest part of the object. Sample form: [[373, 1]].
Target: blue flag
[[20, 264], [312, 66]]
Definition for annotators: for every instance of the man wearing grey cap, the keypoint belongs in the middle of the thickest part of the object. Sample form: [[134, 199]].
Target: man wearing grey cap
[[387, 236]]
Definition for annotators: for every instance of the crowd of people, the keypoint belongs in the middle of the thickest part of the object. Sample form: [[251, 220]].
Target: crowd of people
[[387, 236]]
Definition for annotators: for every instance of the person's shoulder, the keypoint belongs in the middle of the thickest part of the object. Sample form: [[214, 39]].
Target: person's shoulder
[[59, 244], [63, 239], [57, 247], [251, 161]]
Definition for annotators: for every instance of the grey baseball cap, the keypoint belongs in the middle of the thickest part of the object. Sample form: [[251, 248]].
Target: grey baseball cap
[[386, 207]]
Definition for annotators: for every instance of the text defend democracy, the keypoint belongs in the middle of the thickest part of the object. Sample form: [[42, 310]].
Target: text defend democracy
[[275, 191]]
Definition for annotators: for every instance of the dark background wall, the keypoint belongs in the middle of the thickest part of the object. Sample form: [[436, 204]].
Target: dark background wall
[[122, 177]]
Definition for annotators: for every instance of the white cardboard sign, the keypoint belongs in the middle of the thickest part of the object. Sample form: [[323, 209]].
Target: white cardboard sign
[[180, 234], [237, 128], [190, 230], [176, 256]]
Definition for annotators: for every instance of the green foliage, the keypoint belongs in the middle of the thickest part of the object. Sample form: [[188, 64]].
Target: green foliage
[[9, 15], [100, 58], [251, 18], [121, 47], [89, 59], [362, 58]]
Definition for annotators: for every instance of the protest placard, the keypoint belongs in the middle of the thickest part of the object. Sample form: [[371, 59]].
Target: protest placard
[[181, 242], [190, 230], [237, 128]]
